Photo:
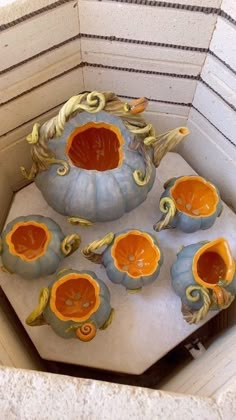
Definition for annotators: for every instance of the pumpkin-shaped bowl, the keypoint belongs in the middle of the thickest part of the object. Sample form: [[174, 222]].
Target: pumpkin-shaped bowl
[[132, 258], [189, 203], [33, 246], [76, 304], [203, 276]]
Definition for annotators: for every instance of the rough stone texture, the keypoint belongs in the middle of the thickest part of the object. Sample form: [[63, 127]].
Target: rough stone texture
[[27, 395]]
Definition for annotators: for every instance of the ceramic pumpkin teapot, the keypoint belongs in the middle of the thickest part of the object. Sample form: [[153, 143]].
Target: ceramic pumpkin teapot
[[189, 203], [132, 258], [97, 159], [204, 277], [76, 304], [33, 246]]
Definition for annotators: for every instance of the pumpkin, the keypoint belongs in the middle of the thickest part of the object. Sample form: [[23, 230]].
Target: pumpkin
[[33, 246], [203, 276], [106, 153], [189, 203], [132, 258], [75, 305]]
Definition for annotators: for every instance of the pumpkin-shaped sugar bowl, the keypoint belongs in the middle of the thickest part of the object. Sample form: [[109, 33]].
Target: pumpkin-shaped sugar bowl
[[189, 203], [203, 276], [75, 305], [33, 246], [132, 258]]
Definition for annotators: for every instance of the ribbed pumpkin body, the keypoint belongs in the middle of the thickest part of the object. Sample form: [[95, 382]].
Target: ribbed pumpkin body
[[100, 185], [31, 246], [84, 300], [206, 264], [197, 202], [133, 259]]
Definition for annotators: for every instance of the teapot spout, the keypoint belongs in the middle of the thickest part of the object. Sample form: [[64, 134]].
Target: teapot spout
[[165, 142]]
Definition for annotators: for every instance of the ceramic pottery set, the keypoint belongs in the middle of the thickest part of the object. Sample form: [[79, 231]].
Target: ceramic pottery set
[[93, 162]]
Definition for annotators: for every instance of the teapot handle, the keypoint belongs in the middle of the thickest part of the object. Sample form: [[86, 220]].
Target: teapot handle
[[167, 207], [88, 251], [36, 317], [70, 244]]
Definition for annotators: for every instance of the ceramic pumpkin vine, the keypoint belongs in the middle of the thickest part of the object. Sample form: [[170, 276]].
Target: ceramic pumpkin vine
[[203, 276], [96, 159], [75, 305], [132, 258], [33, 246], [189, 203]]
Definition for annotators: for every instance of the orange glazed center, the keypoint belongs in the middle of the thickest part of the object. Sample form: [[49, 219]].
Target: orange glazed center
[[195, 196], [95, 146], [29, 241], [211, 267], [136, 254], [76, 298]]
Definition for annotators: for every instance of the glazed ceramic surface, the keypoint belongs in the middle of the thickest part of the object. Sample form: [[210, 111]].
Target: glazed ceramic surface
[[189, 203], [97, 159], [132, 258], [203, 276], [33, 246], [75, 305]]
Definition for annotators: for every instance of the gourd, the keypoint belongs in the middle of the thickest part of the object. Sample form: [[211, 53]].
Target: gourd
[[189, 203], [132, 258], [33, 246], [76, 304], [96, 160], [203, 276]]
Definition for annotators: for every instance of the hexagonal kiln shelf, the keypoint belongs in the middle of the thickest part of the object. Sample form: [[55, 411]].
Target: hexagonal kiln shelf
[[147, 325]]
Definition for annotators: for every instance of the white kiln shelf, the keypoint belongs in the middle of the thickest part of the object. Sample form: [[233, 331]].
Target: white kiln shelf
[[147, 325]]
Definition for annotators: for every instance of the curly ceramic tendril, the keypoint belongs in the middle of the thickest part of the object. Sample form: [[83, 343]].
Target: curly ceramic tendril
[[35, 318], [79, 221], [89, 253], [196, 316], [222, 297], [70, 243], [86, 332], [167, 206]]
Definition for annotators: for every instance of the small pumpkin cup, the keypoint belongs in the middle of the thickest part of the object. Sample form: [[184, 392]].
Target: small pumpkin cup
[[189, 203], [132, 258], [75, 305], [203, 276], [33, 246]]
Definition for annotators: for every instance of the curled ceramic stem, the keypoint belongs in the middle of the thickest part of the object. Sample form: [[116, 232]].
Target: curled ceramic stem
[[89, 253], [194, 294], [222, 297], [84, 332], [70, 244], [167, 206], [36, 316], [79, 221]]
